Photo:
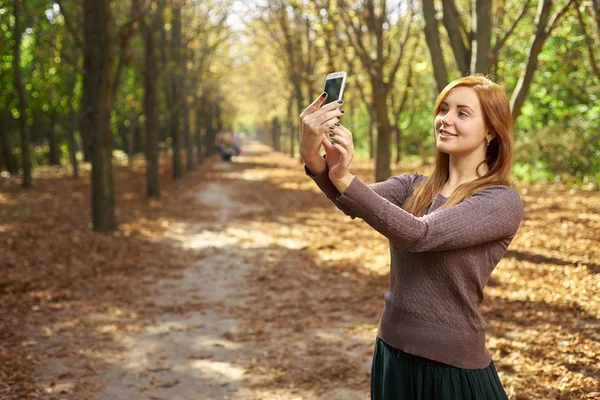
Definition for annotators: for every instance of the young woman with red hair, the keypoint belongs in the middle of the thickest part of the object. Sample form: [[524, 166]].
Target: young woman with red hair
[[446, 233]]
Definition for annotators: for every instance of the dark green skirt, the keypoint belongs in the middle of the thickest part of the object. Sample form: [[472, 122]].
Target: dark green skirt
[[396, 375]]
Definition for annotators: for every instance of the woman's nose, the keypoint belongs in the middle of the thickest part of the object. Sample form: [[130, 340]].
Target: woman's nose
[[446, 120]]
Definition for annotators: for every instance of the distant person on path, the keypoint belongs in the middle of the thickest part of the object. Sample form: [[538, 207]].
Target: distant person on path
[[446, 232], [228, 145]]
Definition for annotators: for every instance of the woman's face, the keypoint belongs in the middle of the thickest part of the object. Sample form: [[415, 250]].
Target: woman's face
[[460, 127]]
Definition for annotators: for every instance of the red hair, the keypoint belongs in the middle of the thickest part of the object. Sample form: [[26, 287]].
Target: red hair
[[499, 153]]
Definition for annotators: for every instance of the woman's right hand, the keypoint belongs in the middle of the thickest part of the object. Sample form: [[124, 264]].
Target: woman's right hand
[[315, 122]]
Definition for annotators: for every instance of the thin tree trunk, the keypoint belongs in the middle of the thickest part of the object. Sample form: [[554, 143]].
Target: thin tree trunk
[[543, 30], [175, 105], [54, 155], [383, 154], [199, 122], [71, 124], [12, 164], [453, 24], [189, 144], [151, 110], [97, 83], [481, 17], [25, 131], [276, 133], [432, 37]]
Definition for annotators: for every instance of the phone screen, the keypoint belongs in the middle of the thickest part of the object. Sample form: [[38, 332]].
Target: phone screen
[[333, 88]]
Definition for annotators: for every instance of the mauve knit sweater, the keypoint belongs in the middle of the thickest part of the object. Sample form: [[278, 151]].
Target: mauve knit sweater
[[440, 263]]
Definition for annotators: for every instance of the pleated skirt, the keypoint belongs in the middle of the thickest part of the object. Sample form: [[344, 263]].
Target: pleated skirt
[[396, 375]]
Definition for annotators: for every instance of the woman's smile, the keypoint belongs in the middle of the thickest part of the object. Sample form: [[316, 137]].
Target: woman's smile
[[444, 134]]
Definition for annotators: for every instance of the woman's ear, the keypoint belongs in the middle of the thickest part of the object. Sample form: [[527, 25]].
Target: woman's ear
[[491, 135]]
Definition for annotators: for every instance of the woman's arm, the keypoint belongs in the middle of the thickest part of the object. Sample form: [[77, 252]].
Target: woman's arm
[[395, 189], [489, 214]]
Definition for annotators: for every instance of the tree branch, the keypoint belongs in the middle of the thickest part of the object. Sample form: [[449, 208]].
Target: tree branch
[[588, 41], [404, 40], [556, 17], [500, 42]]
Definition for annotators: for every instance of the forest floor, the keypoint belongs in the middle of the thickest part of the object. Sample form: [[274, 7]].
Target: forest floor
[[243, 282]]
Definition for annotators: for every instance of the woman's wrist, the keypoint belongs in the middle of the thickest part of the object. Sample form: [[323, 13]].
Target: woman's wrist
[[315, 163], [342, 183]]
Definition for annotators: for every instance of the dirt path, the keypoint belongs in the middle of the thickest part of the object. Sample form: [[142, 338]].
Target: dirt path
[[203, 344]]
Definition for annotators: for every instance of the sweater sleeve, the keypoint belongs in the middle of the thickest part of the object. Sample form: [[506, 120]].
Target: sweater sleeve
[[489, 214], [395, 189]]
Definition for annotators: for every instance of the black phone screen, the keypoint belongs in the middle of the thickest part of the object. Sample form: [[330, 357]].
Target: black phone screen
[[333, 88]]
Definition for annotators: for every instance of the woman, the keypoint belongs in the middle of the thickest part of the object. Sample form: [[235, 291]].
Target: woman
[[446, 233]]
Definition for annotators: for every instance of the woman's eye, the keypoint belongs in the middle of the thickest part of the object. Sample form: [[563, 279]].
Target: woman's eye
[[443, 110], [463, 114]]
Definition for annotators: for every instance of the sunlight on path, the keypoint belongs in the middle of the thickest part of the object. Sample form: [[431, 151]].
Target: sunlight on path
[[186, 353]]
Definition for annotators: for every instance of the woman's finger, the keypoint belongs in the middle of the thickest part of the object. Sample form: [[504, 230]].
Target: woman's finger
[[343, 152], [340, 131], [315, 105], [328, 117]]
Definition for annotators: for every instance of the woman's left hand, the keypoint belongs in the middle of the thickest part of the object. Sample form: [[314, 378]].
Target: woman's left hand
[[339, 155]]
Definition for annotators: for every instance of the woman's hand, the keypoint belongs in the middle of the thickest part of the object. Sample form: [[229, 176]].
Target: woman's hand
[[314, 125], [339, 156]]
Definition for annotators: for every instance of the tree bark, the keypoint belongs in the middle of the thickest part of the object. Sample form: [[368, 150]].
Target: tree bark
[[175, 78], [71, 126], [383, 139], [25, 130], [54, 154], [151, 104], [189, 143], [481, 17], [432, 37], [97, 87], [453, 25], [276, 134], [199, 122], [12, 164]]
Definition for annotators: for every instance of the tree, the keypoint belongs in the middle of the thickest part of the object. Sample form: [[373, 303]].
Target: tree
[[150, 22], [23, 107], [544, 24], [592, 40], [381, 57], [472, 47], [97, 106], [176, 92]]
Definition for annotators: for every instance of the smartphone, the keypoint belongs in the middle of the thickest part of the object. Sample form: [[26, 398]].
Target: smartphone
[[334, 86]]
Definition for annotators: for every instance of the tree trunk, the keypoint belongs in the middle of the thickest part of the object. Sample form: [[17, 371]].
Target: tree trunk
[[12, 164], [151, 111], [398, 139], [54, 155], [71, 124], [432, 37], [452, 23], [25, 131], [481, 17], [383, 140], [276, 134], [175, 105], [536, 43], [97, 88], [189, 143], [209, 139], [198, 129], [373, 126]]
